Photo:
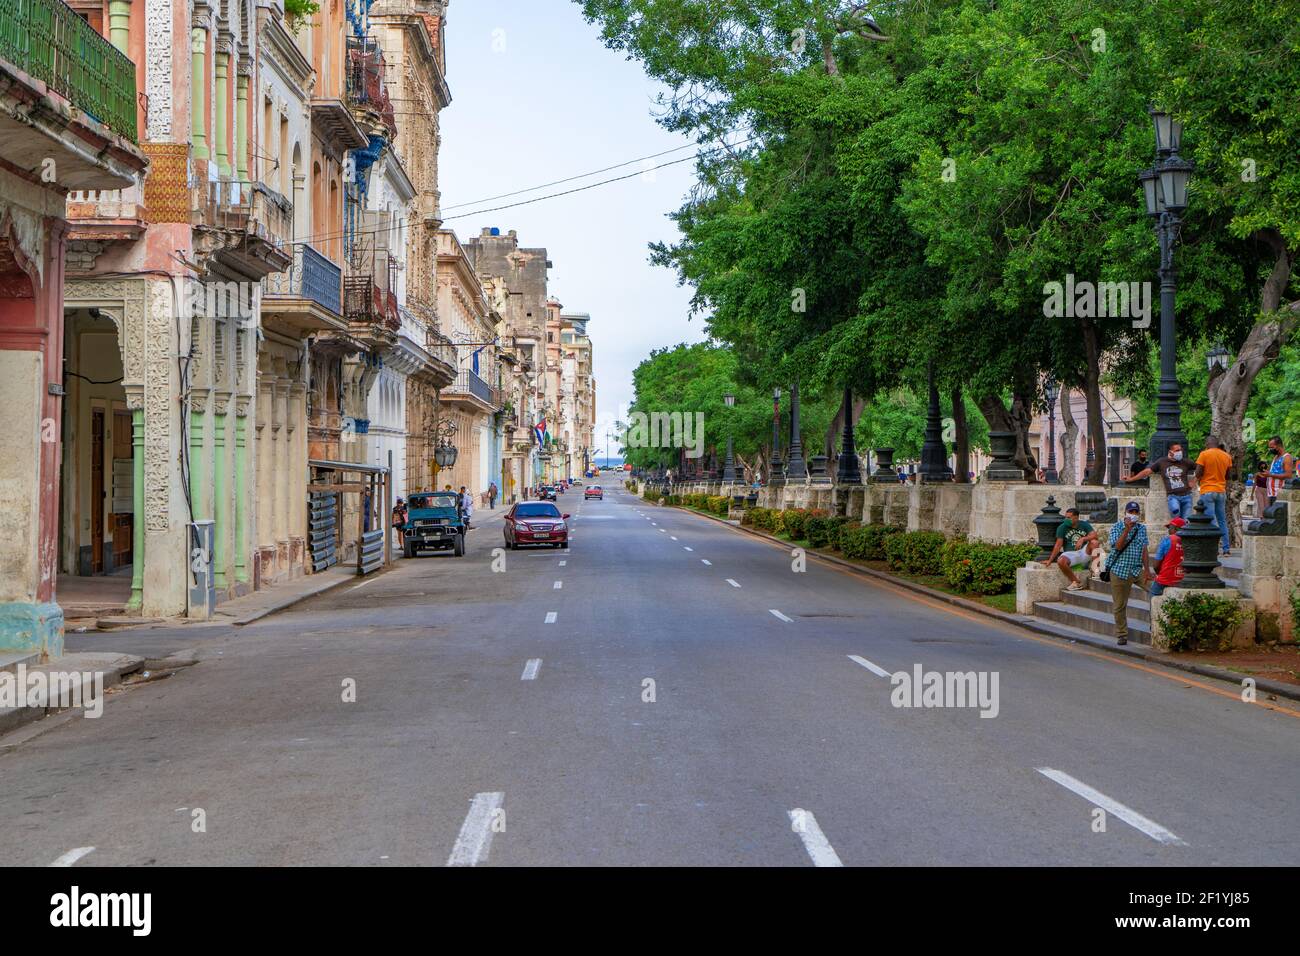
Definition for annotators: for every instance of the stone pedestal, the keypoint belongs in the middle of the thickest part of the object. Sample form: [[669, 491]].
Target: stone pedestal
[[952, 513], [1243, 637], [1040, 582], [897, 505], [848, 501], [922, 502]]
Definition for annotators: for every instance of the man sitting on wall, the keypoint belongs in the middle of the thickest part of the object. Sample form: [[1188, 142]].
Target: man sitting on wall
[[1075, 543]]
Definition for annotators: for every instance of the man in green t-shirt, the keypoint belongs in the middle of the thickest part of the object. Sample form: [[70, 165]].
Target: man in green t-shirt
[[1076, 543]]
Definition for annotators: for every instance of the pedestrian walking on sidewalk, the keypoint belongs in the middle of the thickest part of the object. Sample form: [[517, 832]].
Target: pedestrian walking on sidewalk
[[399, 522], [466, 506], [492, 495], [1126, 562]]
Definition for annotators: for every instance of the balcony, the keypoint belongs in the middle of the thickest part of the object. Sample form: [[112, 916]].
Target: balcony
[[48, 40], [365, 91], [308, 294], [468, 385], [246, 225], [106, 214]]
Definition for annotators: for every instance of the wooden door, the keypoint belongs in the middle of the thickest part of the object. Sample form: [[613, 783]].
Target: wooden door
[[97, 491]]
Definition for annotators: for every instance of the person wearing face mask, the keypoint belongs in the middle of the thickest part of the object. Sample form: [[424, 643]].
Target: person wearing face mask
[[1178, 479], [1126, 562], [1268, 483]]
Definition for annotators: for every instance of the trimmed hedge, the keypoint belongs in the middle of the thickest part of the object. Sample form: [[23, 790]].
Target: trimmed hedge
[[914, 552], [719, 505], [975, 567], [794, 522], [825, 532], [652, 496], [866, 542]]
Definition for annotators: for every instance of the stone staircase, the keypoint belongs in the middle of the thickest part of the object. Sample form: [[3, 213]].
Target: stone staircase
[[1090, 609]]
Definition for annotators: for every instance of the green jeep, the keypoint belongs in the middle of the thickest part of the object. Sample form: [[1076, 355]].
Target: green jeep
[[433, 523]]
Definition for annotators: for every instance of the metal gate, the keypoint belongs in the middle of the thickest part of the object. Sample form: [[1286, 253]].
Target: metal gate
[[322, 529]]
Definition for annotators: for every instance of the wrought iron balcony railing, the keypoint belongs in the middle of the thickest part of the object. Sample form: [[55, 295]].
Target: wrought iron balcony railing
[[49, 41], [312, 277], [469, 383], [441, 348]]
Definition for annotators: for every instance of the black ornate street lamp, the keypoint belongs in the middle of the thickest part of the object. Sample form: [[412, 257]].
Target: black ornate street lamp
[[1218, 357], [1164, 189], [934, 456], [729, 466], [849, 471], [796, 470], [1051, 390]]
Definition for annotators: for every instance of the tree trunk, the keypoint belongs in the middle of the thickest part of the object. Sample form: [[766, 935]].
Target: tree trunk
[[1230, 391], [961, 436], [1069, 440], [1092, 391], [1022, 413]]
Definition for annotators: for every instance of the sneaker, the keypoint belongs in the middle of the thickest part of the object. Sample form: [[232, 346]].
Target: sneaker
[[1076, 586], [1122, 641]]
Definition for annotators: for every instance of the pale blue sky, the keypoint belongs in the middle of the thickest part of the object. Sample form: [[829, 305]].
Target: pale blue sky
[[537, 97]]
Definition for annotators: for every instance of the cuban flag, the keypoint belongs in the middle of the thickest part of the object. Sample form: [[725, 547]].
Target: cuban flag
[[539, 432]]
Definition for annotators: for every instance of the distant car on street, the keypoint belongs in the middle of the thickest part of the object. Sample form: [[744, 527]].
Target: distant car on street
[[593, 491], [546, 492], [535, 522]]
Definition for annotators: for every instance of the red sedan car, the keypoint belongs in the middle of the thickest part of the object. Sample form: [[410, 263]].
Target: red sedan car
[[593, 491], [536, 522]]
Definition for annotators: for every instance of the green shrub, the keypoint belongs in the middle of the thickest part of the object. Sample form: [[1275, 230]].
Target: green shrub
[[794, 522], [914, 552], [652, 496], [718, 504], [977, 567], [866, 542], [838, 527], [1200, 622], [824, 532]]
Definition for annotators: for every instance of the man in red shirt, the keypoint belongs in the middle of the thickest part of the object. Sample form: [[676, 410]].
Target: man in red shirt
[[1169, 558]]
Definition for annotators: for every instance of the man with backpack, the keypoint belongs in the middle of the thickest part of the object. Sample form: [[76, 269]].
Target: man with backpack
[[1126, 562]]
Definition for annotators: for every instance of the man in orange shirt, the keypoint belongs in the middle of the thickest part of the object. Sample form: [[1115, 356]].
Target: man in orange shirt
[[1212, 473]]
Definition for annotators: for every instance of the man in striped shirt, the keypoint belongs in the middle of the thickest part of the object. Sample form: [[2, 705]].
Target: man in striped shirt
[[1126, 562]]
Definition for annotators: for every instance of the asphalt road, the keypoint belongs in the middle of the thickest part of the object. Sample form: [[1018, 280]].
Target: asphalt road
[[666, 691]]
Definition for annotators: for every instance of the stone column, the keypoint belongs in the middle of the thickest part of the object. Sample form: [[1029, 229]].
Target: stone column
[[280, 474], [221, 114], [119, 23], [136, 404], [241, 491], [199, 91], [198, 421], [220, 496], [241, 127], [296, 477]]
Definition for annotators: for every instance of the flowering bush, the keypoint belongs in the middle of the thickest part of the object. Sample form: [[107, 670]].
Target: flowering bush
[[914, 552], [980, 568], [866, 542]]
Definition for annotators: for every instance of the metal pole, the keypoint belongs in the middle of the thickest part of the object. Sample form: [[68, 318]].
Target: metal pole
[[1169, 426], [934, 456], [795, 468]]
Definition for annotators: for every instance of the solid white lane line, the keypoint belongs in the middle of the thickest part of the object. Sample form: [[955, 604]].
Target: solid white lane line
[[551, 616], [475, 837], [72, 856], [688, 549], [558, 585], [874, 668], [730, 581], [707, 561], [531, 669], [1130, 816], [776, 613], [814, 841]]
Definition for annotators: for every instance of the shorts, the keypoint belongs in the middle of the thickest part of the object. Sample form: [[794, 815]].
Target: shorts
[[1077, 558]]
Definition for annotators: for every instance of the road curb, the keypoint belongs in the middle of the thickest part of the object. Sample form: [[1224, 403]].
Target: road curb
[[1025, 622], [14, 718], [299, 598]]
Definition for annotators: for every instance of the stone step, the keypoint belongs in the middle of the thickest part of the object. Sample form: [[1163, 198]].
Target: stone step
[[1096, 622], [1139, 607]]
